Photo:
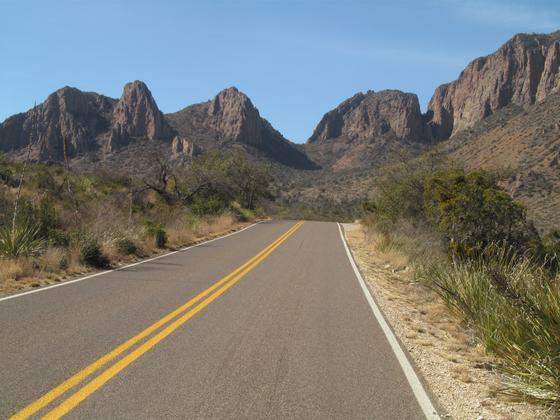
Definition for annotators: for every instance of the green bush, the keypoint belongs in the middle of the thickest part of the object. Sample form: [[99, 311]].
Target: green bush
[[23, 241], [242, 214], [90, 254], [157, 232], [208, 205], [125, 246], [471, 211]]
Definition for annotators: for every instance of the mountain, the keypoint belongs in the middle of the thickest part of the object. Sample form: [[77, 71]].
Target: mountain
[[359, 131], [523, 71], [99, 131], [230, 120], [74, 122]]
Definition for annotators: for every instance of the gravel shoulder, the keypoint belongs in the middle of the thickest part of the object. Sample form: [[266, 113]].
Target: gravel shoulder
[[446, 353]]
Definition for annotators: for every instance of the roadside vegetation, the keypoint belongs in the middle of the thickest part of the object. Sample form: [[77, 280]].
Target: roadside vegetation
[[55, 223], [469, 241]]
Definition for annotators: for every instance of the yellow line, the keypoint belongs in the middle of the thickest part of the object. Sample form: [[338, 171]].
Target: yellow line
[[53, 394]]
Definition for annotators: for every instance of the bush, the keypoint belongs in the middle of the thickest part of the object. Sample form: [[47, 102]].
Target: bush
[[90, 254], [515, 306], [471, 211], [156, 231], [23, 241], [125, 246], [242, 214]]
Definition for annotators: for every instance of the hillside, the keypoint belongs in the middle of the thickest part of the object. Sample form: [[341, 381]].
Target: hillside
[[525, 141]]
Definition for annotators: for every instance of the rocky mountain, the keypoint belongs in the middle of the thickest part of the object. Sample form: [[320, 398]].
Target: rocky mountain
[[523, 71], [94, 128], [360, 130], [230, 120], [73, 122], [365, 128]]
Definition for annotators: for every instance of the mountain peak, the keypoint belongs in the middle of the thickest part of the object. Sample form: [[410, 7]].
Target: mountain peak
[[137, 115], [523, 71], [370, 115]]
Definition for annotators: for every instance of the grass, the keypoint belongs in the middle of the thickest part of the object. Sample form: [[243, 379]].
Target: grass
[[514, 304], [510, 302]]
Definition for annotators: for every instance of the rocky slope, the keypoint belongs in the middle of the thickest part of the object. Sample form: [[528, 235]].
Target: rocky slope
[[230, 120], [523, 71], [525, 143]]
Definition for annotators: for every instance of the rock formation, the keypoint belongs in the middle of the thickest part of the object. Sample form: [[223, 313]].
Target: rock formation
[[524, 70], [84, 121], [137, 115], [182, 148], [370, 115]]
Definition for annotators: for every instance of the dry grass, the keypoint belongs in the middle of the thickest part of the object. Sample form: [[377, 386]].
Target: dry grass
[[57, 264]]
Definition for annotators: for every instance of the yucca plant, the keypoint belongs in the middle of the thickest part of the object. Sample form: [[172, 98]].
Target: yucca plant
[[20, 241], [156, 231], [514, 304]]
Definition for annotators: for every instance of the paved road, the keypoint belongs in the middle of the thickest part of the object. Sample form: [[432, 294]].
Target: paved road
[[288, 335]]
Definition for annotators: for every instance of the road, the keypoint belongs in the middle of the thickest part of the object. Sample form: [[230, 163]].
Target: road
[[270, 322]]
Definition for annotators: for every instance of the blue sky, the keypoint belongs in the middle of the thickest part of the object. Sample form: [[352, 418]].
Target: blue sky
[[295, 59]]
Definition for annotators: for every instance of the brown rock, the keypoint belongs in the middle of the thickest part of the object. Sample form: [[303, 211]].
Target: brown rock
[[370, 115], [136, 115], [68, 118], [523, 70], [181, 147]]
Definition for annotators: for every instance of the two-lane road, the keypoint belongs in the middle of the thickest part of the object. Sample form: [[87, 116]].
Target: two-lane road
[[270, 322]]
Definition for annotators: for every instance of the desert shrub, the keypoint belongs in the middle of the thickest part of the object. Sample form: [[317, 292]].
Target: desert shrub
[[157, 232], [211, 204], [471, 211], [90, 253], [514, 304], [125, 246], [23, 241], [241, 214]]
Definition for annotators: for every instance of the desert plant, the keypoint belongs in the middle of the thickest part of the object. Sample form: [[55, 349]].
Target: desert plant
[[125, 246], [157, 232], [90, 253], [20, 241], [514, 304]]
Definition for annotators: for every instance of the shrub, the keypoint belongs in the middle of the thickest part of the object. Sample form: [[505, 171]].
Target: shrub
[[156, 231], [471, 211], [241, 214], [23, 241], [125, 246], [90, 254]]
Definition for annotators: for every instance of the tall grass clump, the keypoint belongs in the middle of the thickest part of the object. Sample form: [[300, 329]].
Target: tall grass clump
[[157, 232], [514, 304], [20, 241]]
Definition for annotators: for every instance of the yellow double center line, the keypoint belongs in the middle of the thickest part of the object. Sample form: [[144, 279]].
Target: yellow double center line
[[201, 301]]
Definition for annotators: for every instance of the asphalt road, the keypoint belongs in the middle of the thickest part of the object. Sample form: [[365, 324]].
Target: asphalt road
[[290, 334]]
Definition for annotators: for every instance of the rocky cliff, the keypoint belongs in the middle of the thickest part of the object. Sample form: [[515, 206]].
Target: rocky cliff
[[523, 71], [367, 116], [136, 115], [77, 122]]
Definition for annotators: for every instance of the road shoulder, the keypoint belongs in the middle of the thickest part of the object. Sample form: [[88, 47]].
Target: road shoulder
[[445, 352]]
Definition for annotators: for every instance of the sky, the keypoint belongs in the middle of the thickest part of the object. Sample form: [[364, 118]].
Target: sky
[[295, 59]]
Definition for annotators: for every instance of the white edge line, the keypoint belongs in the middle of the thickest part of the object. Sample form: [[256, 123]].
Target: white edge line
[[66, 283], [417, 387]]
